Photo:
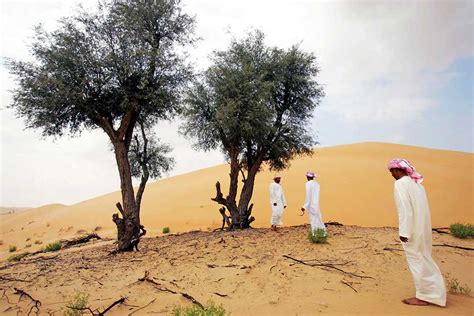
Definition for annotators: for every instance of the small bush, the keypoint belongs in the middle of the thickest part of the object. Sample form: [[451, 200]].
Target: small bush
[[454, 287], [12, 249], [27, 245], [318, 236], [210, 310], [462, 230], [28, 239], [38, 242], [79, 301], [165, 230], [55, 246], [17, 257]]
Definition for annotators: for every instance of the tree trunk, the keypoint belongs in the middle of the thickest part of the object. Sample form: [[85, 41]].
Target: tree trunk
[[128, 227]]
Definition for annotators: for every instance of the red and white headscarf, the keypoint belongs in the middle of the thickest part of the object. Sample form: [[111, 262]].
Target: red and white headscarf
[[408, 167]]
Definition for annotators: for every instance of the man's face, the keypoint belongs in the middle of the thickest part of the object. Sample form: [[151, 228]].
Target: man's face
[[397, 173], [309, 178], [277, 180]]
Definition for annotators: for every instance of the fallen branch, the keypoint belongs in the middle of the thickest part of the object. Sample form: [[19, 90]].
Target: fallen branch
[[221, 295], [80, 240], [165, 289], [328, 265], [151, 302], [333, 223], [93, 312], [4, 278], [349, 285], [117, 302], [37, 303], [392, 249], [457, 247], [441, 230]]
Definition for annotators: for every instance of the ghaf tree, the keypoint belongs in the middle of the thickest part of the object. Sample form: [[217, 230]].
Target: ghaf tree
[[118, 70], [254, 103]]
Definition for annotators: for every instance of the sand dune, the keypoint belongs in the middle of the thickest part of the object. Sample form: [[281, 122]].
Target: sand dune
[[356, 189]]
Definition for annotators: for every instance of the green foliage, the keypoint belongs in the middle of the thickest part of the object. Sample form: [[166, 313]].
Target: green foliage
[[317, 236], [79, 301], [55, 246], [18, 257], [165, 230], [462, 230], [193, 310], [12, 248], [454, 287], [256, 100]]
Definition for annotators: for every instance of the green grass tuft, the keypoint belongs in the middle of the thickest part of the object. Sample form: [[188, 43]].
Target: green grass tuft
[[454, 287], [55, 246], [18, 257], [318, 236], [12, 249], [210, 310], [79, 301], [462, 230], [165, 230]]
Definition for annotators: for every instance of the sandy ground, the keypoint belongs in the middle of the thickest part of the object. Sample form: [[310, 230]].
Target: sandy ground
[[245, 271], [356, 189]]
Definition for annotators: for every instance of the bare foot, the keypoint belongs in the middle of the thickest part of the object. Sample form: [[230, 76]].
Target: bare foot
[[415, 301], [274, 228]]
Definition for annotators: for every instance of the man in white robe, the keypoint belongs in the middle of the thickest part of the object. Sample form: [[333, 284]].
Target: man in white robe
[[415, 234], [311, 203], [277, 202]]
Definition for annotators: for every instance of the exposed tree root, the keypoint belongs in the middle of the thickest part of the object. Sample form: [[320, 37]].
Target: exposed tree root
[[36, 303]]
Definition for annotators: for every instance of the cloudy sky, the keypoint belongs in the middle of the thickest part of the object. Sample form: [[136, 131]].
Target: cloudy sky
[[393, 71]]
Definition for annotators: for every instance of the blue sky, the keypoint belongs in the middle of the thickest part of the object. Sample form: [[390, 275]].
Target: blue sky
[[393, 71]]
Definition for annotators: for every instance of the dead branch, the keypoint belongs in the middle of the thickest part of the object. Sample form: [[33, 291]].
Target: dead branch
[[441, 230], [332, 223], [4, 278], [158, 286], [151, 302], [221, 295], [37, 303], [225, 217], [80, 240], [452, 246], [328, 265], [219, 196], [117, 302], [392, 249], [349, 285]]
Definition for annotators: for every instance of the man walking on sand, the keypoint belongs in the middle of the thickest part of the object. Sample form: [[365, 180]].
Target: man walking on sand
[[277, 201], [415, 234], [311, 203]]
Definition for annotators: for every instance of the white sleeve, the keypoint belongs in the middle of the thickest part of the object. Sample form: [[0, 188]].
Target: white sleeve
[[405, 211]]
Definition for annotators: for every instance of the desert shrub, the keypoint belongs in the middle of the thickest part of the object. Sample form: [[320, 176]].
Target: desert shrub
[[454, 287], [18, 257], [462, 230], [12, 249], [194, 310], [28, 239], [79, 301], [38, 242], [27, 245], [165, 230], [55, 246], [318, 236]]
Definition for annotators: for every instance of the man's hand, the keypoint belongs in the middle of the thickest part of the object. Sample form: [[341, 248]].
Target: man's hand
[[284, 206], [274, 204], [403, 239], [302, 211]]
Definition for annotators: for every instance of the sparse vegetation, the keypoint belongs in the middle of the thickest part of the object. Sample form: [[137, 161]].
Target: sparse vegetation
[[38, 242], [28, 239], [318, 236], [55, 246], [12, 249], [210, 310], [165, 230], [79, 301], [18, 257], [27, 245], [97, 228], [454, 287], [462, 230]]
